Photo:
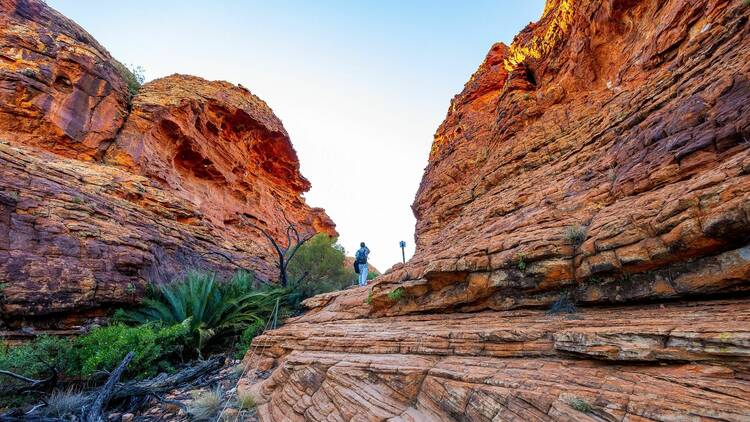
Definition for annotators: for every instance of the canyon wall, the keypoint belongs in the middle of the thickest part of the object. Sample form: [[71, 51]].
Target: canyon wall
[[583, 230], [103, 191]]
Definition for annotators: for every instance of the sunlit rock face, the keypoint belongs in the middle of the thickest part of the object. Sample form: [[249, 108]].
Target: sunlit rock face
[[59, 89], [602, 160], [101, 193], [220, 147]]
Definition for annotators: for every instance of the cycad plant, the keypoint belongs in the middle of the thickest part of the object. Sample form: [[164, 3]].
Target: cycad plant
[[211, 308]]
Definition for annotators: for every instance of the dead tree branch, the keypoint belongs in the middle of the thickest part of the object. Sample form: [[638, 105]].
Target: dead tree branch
[[102, 397], [285, 254]]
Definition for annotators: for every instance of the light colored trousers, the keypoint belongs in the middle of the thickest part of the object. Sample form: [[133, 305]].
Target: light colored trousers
[[363, 269]]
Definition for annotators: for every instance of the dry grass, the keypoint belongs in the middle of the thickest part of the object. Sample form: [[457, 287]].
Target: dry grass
[[206, 406], [64, 403]]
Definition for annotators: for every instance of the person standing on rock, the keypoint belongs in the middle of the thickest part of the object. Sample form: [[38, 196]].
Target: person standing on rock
[[361, 258]]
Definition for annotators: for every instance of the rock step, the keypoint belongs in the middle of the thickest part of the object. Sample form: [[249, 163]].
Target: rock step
[[675, 361]]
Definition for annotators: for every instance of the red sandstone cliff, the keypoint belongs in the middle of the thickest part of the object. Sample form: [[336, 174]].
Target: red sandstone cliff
[[101, 193], [603, 157]]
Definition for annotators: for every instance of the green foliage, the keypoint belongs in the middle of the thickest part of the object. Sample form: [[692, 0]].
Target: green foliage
[[371, 275], [28, 73], [210, 308], [133, 76], [155, 348], [575, 234], [248, 334], [33, 359], [580, 405], [397, 294], [104, 348], [369, 298], [319, 262], [521, 262]]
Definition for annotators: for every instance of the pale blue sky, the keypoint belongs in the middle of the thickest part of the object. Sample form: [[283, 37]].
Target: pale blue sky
[[361, 86]]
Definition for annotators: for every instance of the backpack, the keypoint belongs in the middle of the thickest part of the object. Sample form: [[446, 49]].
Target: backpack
[[356, 267], [361, 256]]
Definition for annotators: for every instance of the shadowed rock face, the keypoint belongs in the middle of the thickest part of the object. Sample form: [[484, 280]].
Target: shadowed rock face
[[601, 159], [101, 193]]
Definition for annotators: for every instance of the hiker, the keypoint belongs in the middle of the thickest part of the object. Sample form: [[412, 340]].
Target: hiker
[[361, 260]]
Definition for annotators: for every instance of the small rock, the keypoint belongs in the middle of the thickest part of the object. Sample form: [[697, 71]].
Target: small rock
[[127, 417], [229, 414]]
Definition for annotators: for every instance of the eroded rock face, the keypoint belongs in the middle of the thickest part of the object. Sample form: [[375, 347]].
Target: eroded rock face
[[220, 147], [601, 159], [59, 89], [96, 202]]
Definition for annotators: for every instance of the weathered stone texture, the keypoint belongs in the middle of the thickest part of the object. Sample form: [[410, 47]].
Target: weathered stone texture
[[101, 193], [59, 89], [602, 159]]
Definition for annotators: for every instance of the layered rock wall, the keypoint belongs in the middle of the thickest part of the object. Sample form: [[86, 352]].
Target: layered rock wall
[[102, 192], [582, 240]]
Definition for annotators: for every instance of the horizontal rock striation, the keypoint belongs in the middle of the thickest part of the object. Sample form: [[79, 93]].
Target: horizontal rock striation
[[599, 163], [102, 192], [685, 361]]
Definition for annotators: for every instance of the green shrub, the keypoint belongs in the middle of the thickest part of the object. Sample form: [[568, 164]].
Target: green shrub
[[521, 262], [565, 304], [154, 347], [369, 298], [580, 405], [319, 262], [133, 76], [33, 359], [246, 338], [371, 275], [246, 401], [397, 294], [211, 309], [575, 234]]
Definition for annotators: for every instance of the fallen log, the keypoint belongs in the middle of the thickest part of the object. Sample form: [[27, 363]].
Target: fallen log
[[167, 382], [102, 397], [118, 391]]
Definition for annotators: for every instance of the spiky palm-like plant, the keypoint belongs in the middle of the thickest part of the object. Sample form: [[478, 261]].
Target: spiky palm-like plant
[[211, 307]]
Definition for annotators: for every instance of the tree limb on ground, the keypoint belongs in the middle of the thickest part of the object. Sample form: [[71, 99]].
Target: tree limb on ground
[[102, 397], [114, 390]]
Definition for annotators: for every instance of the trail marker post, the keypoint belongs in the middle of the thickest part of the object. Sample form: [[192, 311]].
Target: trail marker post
[[403, 254]]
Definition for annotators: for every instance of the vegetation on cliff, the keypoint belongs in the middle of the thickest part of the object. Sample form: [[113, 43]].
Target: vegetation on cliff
[[177, 322]]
